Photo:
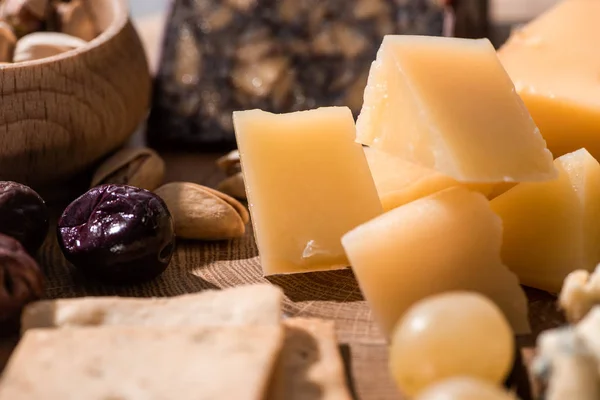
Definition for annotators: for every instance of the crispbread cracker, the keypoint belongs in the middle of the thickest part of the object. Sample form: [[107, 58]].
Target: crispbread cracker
[[138, 363], [309, 366], [244, 305]]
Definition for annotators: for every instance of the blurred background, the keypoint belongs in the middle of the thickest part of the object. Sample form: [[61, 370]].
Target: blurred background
[[310, 60], [503, 13]]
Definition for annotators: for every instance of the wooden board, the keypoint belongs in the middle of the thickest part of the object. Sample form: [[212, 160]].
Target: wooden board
[[331, 295]]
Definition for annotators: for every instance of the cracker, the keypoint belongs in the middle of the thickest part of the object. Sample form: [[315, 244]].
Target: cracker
[[252, 304], [137, 363], [310, 366]]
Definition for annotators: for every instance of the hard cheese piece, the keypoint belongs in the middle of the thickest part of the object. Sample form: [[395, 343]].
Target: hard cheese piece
[[554, 64], [448, 241], [448, 104], [307, 183], [253, 304], [309, 366], [399, 181], [553, 228], [142, 364]]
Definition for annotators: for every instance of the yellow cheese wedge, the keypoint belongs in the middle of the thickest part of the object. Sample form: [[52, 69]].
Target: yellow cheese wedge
[[399, 181], [500, 188], [553, 228], [447, 104], [447, 241], [555, 64], [307, 182]]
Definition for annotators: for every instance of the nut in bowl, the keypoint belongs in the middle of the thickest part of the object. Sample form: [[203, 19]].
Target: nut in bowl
[[68, 101]]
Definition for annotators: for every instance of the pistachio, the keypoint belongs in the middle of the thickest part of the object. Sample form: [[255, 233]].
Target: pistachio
[[25, 16], [140, 167], [45, 44], [230, 163], [75, 19], [234, 186], [38, 8], [8, 41], [239, 207], [203, 213]]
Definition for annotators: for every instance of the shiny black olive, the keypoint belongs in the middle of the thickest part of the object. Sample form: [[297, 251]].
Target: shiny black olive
[[118, 234], [21, 282], [23, 215]]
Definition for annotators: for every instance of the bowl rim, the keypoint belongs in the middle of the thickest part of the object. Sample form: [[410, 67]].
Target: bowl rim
[[121, 18]]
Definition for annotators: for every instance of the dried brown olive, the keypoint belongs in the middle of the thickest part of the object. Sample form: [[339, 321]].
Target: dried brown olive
[[21, 282], [23, 215], [118, 234]]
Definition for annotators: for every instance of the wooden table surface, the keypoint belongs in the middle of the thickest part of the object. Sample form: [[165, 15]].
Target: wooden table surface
[[333, 295], [363, 347]]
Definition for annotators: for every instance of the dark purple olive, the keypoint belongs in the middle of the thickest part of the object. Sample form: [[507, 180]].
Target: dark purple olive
[[21, 282], [23, 215], [118, 234]]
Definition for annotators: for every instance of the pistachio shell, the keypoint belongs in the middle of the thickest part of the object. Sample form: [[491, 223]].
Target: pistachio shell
[[45, 44], [39, 8], [8, 40], [239, 207], [203, 213], [139, 167], [234, 186], [24, 16], [230, 163], [76, 20]]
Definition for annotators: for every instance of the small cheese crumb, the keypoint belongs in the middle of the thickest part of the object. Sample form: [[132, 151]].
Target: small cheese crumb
[[580, 292], [566, 366]]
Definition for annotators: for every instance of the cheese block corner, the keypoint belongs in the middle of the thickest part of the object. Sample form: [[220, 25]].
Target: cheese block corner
[[449, 105], [448, 241], [553, 228], [307, 182], [554, 63]]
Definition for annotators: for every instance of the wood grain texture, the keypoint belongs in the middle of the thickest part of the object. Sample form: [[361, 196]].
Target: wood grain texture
[[335, 295], [61, 114]]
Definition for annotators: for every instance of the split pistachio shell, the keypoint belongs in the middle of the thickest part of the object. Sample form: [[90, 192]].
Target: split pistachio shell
[[45, 44], [202, 213], [25, 16], [76, 20], [234, 186], [8, 40], [38, 8], [230, 163], [139, 167], [239, 207]]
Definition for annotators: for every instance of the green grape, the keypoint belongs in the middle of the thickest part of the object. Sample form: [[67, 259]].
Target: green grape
[[447, 335]]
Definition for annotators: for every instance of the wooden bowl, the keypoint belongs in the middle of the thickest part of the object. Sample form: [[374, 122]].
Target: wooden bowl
[[61, 114]]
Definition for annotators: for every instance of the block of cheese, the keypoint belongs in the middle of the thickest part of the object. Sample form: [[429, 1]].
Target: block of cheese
[[447, 241], [399, 181], [500, 188], [554, 63], [307, 183], [138, 363], [447, 104], [310, 366], [553, 228], [252, 304]]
